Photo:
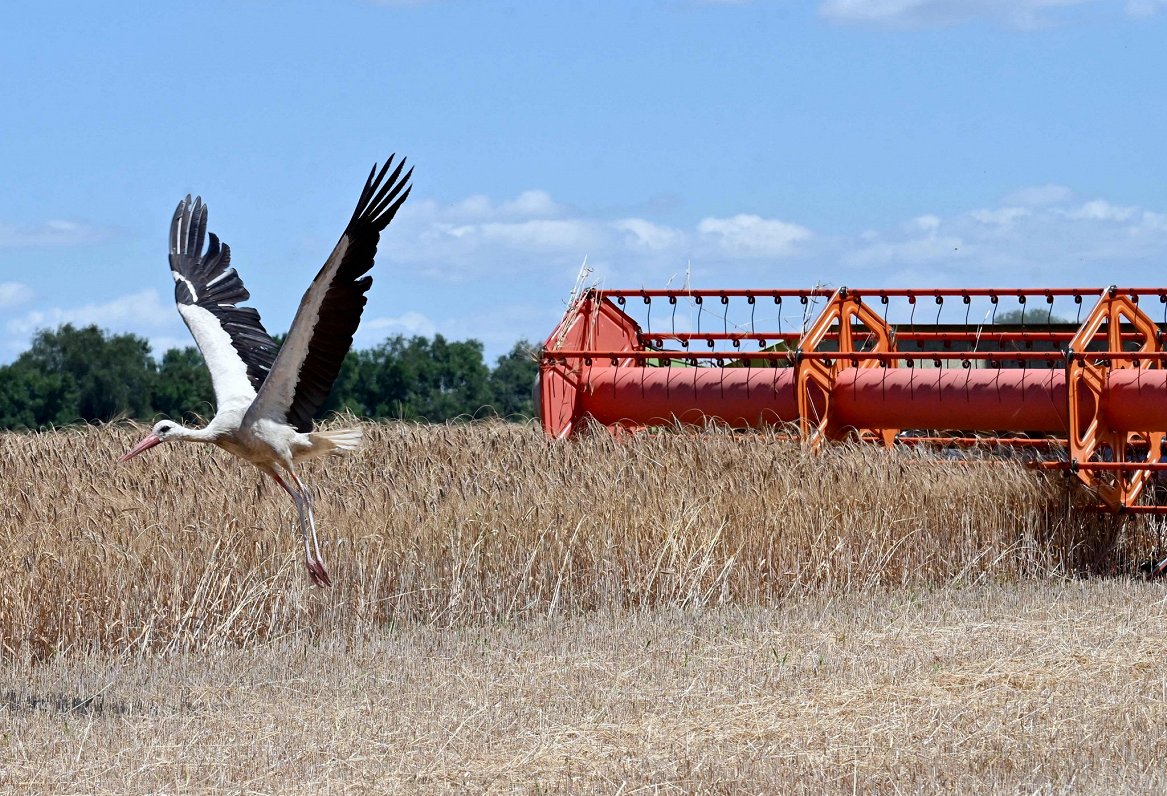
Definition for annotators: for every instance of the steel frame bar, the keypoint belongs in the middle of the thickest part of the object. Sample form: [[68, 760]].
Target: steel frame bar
[[826, 356], [972, 442], [1122, 467], [918, 293], [978, 336]]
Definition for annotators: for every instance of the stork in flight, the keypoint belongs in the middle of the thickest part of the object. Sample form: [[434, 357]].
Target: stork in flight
[[266, 394]]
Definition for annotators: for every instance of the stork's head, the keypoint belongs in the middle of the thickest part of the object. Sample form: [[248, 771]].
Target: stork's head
[[163, 430]]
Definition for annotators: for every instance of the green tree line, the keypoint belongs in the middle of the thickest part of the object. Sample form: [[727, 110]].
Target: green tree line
[[72, 375]]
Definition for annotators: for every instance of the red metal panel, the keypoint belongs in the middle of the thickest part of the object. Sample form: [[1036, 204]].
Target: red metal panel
[[1136, 399], [740, 397], [988, 399]]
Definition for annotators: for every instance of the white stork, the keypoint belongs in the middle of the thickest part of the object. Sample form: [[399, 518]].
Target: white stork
[[267, 395]]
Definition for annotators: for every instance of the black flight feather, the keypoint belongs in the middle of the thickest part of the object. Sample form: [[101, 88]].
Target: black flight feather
[[217, 288], [340, 311]]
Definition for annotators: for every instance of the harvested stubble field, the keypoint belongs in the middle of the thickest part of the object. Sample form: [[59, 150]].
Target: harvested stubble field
[[672, 613]]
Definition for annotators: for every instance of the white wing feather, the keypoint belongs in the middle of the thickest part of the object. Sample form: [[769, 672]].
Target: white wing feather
[[233, 388]]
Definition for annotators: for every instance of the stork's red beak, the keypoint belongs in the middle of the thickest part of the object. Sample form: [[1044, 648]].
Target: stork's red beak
[[148, 442]]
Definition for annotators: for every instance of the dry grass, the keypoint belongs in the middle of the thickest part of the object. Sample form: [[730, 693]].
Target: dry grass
[[1031, 688], [187, 549], [657, 615]]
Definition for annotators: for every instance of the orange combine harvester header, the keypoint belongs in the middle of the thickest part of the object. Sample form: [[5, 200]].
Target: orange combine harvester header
[[1091, 390]]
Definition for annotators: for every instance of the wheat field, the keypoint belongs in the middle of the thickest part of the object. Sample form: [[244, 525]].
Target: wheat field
[[185, 548], [662, 613]]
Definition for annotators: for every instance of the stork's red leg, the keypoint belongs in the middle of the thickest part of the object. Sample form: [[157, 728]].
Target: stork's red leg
[[319, 573], [303, 500]]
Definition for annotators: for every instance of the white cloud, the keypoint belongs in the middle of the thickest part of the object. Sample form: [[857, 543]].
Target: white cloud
[[13, 294], [50, 233], [534, 235], [1024, 14], [1037, 234], [1001, 216], [1145, 8], [925, 223], [409, 323], [1156, 222], [1040, 195], [644, 234], [1055, 240], [499, 324], [143, 313], [531, 203], [746, 235], [143, 309], [160, 344], [528, 204], [930, 249], [1101, 210], [542, 234]]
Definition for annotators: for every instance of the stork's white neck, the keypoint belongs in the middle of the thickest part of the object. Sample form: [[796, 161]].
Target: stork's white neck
[[206, 434]]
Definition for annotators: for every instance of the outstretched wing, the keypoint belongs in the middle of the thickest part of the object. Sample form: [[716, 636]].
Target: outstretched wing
[[322, 331], [237, 349]]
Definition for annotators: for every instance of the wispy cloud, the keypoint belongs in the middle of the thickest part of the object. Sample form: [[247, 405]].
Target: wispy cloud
[[527, 205], [13, 294], [141, 310], [1055, 238], [1101, 210], [479, 237], [1145, 8], [143, 313], [1039, 195], [50, 233], [409, 323], [647, 236], [497, 325], [753, 236], [1024, 14], [1035, 234]]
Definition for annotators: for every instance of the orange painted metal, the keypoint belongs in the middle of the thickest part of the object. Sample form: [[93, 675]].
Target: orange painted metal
[[1096, 391], [1102, 423], [594, 324], [951, 398], [737, 397], [817, 377]]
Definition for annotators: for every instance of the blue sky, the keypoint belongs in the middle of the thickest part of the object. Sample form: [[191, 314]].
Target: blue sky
[[763, 143]]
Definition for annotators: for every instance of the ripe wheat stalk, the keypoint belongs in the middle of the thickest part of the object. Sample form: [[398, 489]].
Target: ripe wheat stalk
[[185, 549]]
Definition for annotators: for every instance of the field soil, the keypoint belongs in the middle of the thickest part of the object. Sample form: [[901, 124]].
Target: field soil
[[664, 614]]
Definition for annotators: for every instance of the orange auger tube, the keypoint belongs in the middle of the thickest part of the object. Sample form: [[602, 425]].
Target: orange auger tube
[[1094, 389], [945, 398], [739, 397]]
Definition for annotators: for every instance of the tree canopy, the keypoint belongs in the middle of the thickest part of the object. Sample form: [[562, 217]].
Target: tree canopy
[[72, 375], [1038, 316]]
